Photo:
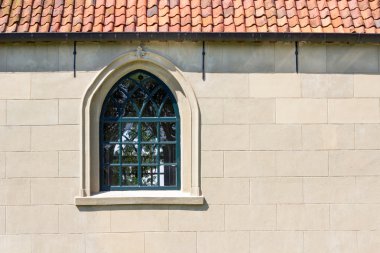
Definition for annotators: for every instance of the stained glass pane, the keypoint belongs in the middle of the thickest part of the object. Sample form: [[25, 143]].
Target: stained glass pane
[[129, 132], [149, 153], [149, 131], [149, 176], [129, 176], [129, 154]]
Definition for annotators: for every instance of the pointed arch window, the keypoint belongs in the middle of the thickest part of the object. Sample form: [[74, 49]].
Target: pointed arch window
[[140, 135]]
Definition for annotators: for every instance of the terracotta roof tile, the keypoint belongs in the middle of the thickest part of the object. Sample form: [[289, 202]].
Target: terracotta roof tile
[[341, 16], [46, 18], [185, 15], [26, 15]]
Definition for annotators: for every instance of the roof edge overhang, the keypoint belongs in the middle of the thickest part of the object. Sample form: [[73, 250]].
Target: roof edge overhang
[[182, 36]]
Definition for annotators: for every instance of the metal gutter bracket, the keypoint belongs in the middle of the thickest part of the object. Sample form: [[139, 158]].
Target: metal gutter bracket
[[75, 59]]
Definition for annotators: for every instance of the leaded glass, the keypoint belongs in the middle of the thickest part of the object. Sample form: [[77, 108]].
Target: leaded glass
[[139, 138]]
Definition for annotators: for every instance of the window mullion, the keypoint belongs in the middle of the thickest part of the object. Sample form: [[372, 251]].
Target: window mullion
[[178, 153], [158, 155], [139, 147], [120, 153]]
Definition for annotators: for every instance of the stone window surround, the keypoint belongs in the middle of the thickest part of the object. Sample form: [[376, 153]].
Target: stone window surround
[[190, 192]]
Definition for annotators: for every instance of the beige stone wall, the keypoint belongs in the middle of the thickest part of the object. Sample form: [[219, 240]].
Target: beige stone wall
[[221, 57], [289, 162]]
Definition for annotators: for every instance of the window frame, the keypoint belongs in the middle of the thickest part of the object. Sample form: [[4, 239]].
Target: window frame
[[139, 120], [190, 192]]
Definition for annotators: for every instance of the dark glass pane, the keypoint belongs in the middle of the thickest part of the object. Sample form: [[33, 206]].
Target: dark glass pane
[[111, 132], [167, 109], [129, 110], [148, 153], [129, 176], [111, 110], [127, 85], [129, 132], [111, 153], [167, 131], [170, 176], [168, 153], [114, 176], [149, 131], [119, 96], [159, 96], [149, 84], [138, 98], [105, 175], [149, 110], [129, 153], [149, 176]]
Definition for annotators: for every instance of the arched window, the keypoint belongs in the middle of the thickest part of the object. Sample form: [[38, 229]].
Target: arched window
[[139, 135], [131, 138]]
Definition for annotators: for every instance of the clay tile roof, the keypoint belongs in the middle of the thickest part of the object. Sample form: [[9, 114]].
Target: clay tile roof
[[338, 16]]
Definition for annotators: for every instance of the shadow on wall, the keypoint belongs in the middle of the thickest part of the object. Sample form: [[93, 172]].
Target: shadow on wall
[[221, 57]]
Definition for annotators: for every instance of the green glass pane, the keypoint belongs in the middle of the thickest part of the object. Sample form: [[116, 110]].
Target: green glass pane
[[111, 132], [138, 76], [168, 153], [167, 131], [149, 176], [149, 131], [111, 153], [129, 132], [129, 176], [129, 153], [149, 153]]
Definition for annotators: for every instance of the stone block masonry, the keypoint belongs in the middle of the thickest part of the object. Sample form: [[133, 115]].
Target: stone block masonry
[[289, 162]]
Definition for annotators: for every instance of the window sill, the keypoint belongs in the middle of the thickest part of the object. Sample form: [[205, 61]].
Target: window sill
[[139, 198]]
